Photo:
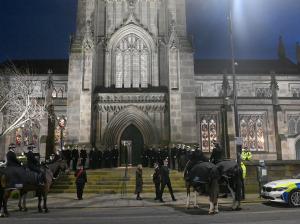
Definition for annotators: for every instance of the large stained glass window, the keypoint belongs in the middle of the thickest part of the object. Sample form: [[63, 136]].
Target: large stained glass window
[[132, 63], [252, 130], [208, 132]]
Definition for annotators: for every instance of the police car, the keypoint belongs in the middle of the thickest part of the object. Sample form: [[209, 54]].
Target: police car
[[283, 191]]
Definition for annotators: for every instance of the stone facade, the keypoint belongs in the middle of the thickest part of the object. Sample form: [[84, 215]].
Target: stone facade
[[259, 108], [131, 57], [131, 64]]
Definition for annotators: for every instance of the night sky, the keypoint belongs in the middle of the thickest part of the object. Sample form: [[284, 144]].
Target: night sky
[[40, 29]]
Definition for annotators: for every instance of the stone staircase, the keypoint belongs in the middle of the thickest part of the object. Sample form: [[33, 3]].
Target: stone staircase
[[110, 181]]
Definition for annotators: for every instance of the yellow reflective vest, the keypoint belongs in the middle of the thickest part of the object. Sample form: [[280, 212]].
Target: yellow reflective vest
[[244, 170]]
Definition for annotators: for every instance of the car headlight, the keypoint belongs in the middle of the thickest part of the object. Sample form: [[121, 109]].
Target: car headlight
[[281, 188]]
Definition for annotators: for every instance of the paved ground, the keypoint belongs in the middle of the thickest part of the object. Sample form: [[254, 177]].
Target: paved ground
[[64, 208]]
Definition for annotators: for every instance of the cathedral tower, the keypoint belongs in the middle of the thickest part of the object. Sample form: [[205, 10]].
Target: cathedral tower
[[131, 66]]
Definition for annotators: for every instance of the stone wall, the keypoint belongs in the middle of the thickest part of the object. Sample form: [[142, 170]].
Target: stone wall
[[276, 170], [255, 98]]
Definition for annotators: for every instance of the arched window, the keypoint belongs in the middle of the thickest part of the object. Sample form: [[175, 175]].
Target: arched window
[[132, 64], [252, 131], [54, 93], [60, 93], [208, 132]]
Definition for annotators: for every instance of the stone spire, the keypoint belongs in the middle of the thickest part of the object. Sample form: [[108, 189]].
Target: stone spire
[[226, 89], [281, 49]]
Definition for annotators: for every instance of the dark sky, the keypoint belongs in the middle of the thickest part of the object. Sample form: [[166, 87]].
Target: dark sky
[[33, 29]]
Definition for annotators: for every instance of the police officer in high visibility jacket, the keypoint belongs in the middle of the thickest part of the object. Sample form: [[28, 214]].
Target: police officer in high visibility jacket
[[246, 155]]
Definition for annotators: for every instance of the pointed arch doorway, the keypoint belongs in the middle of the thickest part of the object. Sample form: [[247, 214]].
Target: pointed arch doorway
[[133, 138]]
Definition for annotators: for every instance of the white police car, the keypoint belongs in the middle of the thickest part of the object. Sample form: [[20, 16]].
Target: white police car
[[283, 191]]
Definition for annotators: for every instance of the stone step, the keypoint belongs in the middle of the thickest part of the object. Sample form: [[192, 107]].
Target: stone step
[[112, 191]]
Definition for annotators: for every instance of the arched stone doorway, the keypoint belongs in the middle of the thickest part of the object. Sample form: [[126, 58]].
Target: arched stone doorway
[[132, 124], [135, 137], [297, 147]]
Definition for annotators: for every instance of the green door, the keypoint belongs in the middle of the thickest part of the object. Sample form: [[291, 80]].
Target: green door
[[132, 133]]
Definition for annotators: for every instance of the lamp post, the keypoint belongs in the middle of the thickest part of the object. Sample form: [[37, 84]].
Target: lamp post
[[62, 124], [235, 106]]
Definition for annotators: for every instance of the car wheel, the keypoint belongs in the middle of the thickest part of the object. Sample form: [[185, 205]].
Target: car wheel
[[294, 198]]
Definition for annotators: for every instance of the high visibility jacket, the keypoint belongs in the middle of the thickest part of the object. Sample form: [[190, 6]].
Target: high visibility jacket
[[246, 155], [244, 170]]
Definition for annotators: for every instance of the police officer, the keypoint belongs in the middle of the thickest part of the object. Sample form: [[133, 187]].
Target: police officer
[[156, 181], [246, 155], [107, 158], [75, 156], [91, 158], [165, 181], [173, 156], [115, 156], [217, 153], [11, 157], [34, 165], [67, 156], [83, 156]]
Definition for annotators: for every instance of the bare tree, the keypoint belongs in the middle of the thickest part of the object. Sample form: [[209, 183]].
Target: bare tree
[[19, 106]]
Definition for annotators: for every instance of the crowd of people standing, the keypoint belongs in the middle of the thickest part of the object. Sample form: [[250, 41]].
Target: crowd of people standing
[[97, 159]]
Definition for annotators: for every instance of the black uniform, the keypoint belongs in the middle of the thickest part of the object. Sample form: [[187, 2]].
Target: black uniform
[[75, 156], [32, 162], [107, 158], [156, 181], [115, 156], [81, 179], [67, 156], [165, 181], [83, 156], [91, 159], [216, 155], [11, 159], [173, 157], [34, 165], [98, 158]]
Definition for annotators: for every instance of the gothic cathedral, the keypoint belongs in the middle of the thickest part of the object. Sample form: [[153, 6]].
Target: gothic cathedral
[[131, 74]]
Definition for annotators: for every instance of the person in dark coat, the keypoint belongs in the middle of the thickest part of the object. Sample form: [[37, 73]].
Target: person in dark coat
[[67, 156], [145, 157], [107, 158], [57, 156], [81, 179], [165, 181], [217, 153], [34, 165], [98, 159], [91, 158], [173, 157], [11, 157], [139, 182], [75, 156], [83, 156], [156, 181], [115, 156]]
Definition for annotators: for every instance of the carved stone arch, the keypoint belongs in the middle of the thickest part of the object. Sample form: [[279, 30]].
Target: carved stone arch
[[124, 118], [128, 29], [150, 55]]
